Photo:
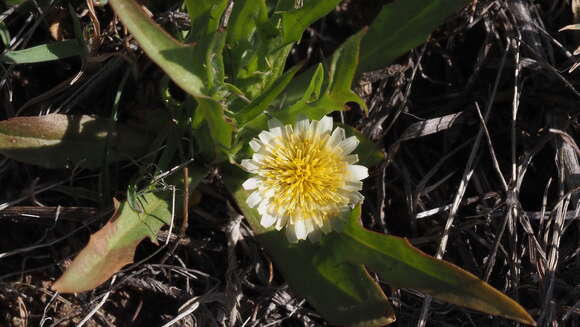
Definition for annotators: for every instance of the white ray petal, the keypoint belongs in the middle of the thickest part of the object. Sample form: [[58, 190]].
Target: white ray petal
[[250, 165], [281, 222], [276, 131], [313, 130], [265, 137], [300, 230], [349, 144], [317, 221], [310, 225], [325, 125], [337, 136], [291, 234], [256, 145], [352, 186], [263, 207], [270, 193], [357, 172], [287, 130], [251, 183], [267, 220], [356, 197], [258, 158], [351, 159], [302, 126], [254, 199]]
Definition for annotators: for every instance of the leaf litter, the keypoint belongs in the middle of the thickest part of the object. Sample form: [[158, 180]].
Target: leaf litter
[[514, 221]]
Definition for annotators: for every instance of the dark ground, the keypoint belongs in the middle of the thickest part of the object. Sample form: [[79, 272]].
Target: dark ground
[[513, 178]]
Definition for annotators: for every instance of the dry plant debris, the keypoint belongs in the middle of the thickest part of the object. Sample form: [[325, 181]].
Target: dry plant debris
[[480, 124]]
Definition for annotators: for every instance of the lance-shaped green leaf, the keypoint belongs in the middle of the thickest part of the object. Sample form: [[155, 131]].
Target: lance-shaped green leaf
[[401, 26], [314, 88], [214, 61], [113, 246], [205, 16], [401, 265], [5, 35], [296, 21], [64, 141], [44, 52], [247, 18], [219, 128], [343, 293], [178, 60], [342, 71], [14, 2]]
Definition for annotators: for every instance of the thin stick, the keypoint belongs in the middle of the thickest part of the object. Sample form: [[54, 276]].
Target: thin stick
[[467, 173], [98, 306], [185, 212], [185, 222]]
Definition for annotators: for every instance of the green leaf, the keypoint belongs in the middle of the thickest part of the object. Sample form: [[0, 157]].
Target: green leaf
[[259, 44], [335, 96], [314, 89], [4, 34], [295, 22], [45, 52], [401, 26], [205, 16], [203, 79], [220, 130], [251, 35], [344, 294], [113, 246], [320, 272], [176, 59], [338, 91], [259, 105], [247, 17], [342, 71], [401, 265], [62, 141], [313, 106], [214, 61]]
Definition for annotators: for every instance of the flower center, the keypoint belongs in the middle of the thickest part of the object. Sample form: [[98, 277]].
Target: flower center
[[306, 176]]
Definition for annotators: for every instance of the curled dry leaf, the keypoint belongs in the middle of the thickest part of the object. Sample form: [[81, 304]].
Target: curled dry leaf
[[113, 246]]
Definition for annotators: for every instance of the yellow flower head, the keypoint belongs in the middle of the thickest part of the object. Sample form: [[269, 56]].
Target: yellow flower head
[[304, 177]]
